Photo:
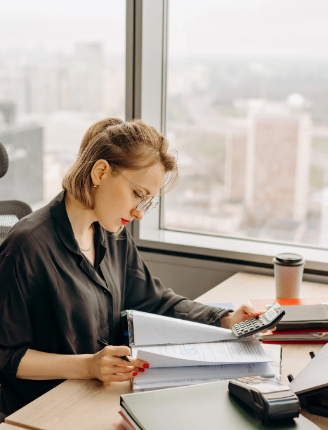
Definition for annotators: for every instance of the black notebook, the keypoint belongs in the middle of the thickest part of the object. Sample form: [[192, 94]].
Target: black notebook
[[301, 317]]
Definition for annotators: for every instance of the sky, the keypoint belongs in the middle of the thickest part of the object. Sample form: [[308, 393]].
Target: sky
[[197, 28], [57, 26], [273, 28]]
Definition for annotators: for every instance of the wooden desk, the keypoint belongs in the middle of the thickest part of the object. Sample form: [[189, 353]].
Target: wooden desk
[[89, 405], [5, 426]]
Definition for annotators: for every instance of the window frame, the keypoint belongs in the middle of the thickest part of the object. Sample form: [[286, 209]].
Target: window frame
[[146, 74]]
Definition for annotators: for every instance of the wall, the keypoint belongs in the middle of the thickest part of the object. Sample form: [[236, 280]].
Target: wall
[[192, 277]]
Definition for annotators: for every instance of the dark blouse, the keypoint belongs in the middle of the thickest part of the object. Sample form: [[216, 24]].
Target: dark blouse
[[53, 300]]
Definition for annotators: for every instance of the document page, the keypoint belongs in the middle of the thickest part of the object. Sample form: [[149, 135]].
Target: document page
[[151, 329], [138, 388], [225, 352], [226, 371]]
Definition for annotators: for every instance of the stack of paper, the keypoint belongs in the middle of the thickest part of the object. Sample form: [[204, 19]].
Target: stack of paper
[[183, 353]]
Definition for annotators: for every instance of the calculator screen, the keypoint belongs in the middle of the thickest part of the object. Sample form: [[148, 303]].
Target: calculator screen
[[272, 312]]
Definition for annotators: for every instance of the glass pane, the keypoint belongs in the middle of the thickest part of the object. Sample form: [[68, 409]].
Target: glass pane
[[62, 68], [247, 110]]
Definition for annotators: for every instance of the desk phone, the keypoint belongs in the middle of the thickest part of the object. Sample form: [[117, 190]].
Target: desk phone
[[264, 322]]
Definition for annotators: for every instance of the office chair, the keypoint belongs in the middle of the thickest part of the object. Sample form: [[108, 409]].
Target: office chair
[[10, 210]]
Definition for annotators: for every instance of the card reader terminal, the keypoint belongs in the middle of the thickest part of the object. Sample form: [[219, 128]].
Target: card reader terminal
[[269, 399], [264, 322]]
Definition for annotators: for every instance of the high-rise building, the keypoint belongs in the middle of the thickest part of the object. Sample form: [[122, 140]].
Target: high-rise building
[[277, 162], [24, 179], [86, 78], [235, 161]]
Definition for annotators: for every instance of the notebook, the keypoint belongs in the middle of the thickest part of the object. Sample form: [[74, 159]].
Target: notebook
[[304, 317], [206, 406]]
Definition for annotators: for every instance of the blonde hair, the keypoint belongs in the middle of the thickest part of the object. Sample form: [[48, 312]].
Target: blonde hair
[[126, 145]]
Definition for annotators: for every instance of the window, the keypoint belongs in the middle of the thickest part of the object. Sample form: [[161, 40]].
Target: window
[[62, 68], [247, 110]]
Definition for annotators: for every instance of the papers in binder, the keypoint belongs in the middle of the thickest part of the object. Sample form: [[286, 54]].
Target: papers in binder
[[221, 371], [151, 329], [197, 354], [181, 352]]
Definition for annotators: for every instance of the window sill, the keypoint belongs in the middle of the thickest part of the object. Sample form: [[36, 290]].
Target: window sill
[[243, 251]]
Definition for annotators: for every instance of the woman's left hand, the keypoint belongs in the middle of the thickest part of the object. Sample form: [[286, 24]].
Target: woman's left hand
[[243, 313]]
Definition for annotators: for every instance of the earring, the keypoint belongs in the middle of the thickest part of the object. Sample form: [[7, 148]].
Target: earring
[[95, 186]]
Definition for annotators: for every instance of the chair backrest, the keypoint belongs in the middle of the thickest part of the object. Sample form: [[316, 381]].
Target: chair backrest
[[4, 161], [10, 210]]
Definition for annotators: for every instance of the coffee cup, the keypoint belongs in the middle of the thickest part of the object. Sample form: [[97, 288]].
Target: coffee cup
[[288, 273]]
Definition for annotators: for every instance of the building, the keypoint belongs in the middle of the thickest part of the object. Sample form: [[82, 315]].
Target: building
[[235, 161], [24, 179], [277, 162]]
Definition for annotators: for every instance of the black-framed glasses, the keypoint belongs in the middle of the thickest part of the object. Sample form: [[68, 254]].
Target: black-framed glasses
[[146, 204]]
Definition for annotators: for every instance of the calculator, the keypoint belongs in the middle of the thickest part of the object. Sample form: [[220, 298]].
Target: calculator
[[264, 322]]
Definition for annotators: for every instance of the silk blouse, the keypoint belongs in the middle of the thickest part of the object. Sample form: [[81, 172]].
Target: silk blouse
[[52, 299]]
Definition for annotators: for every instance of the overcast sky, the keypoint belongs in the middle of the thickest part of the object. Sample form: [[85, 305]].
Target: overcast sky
[[249, 27], [57, 26], [197, 27]]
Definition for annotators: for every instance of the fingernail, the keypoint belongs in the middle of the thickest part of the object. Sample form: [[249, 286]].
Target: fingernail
[[134, 373], [141, 370], [146, 365]]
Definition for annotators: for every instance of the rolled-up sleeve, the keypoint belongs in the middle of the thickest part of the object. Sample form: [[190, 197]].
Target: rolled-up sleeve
[[15, 325], [146, 293]]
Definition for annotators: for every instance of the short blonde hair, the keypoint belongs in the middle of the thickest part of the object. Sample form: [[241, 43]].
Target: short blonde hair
[[127, 145]]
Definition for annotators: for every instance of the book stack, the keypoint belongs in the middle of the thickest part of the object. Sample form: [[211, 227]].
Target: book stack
[[181, 353], [306, 321]]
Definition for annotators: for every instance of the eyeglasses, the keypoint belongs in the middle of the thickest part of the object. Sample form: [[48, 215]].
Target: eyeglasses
[[146, 204]]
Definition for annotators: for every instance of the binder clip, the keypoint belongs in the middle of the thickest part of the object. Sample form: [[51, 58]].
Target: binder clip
[[311, 385]]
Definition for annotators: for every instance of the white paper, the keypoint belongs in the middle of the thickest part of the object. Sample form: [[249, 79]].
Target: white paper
[[162, 385], [151, 329], [222, 371], [198, 354], [137, 388]]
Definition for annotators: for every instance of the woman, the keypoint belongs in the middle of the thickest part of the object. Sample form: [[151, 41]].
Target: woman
[[69, 269]]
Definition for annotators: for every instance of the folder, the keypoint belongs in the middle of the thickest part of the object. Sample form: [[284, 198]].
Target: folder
[[197, 407], [311, 384], [181, 352]]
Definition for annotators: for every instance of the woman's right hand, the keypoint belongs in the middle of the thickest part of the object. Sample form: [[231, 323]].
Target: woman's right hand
[[107, 366]]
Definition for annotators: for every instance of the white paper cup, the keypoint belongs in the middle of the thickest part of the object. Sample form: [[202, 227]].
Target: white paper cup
[[288, 274]]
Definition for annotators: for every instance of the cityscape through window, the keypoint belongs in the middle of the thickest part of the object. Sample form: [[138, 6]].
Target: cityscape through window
[[247, 110], [62, 68]]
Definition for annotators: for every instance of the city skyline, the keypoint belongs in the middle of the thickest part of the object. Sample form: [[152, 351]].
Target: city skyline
[[209, 103]]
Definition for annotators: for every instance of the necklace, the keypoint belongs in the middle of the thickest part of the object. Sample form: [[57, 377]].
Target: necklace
[[86, 250]]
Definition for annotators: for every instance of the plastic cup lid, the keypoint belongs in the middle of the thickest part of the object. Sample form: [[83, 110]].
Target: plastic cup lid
[[289, 259]]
